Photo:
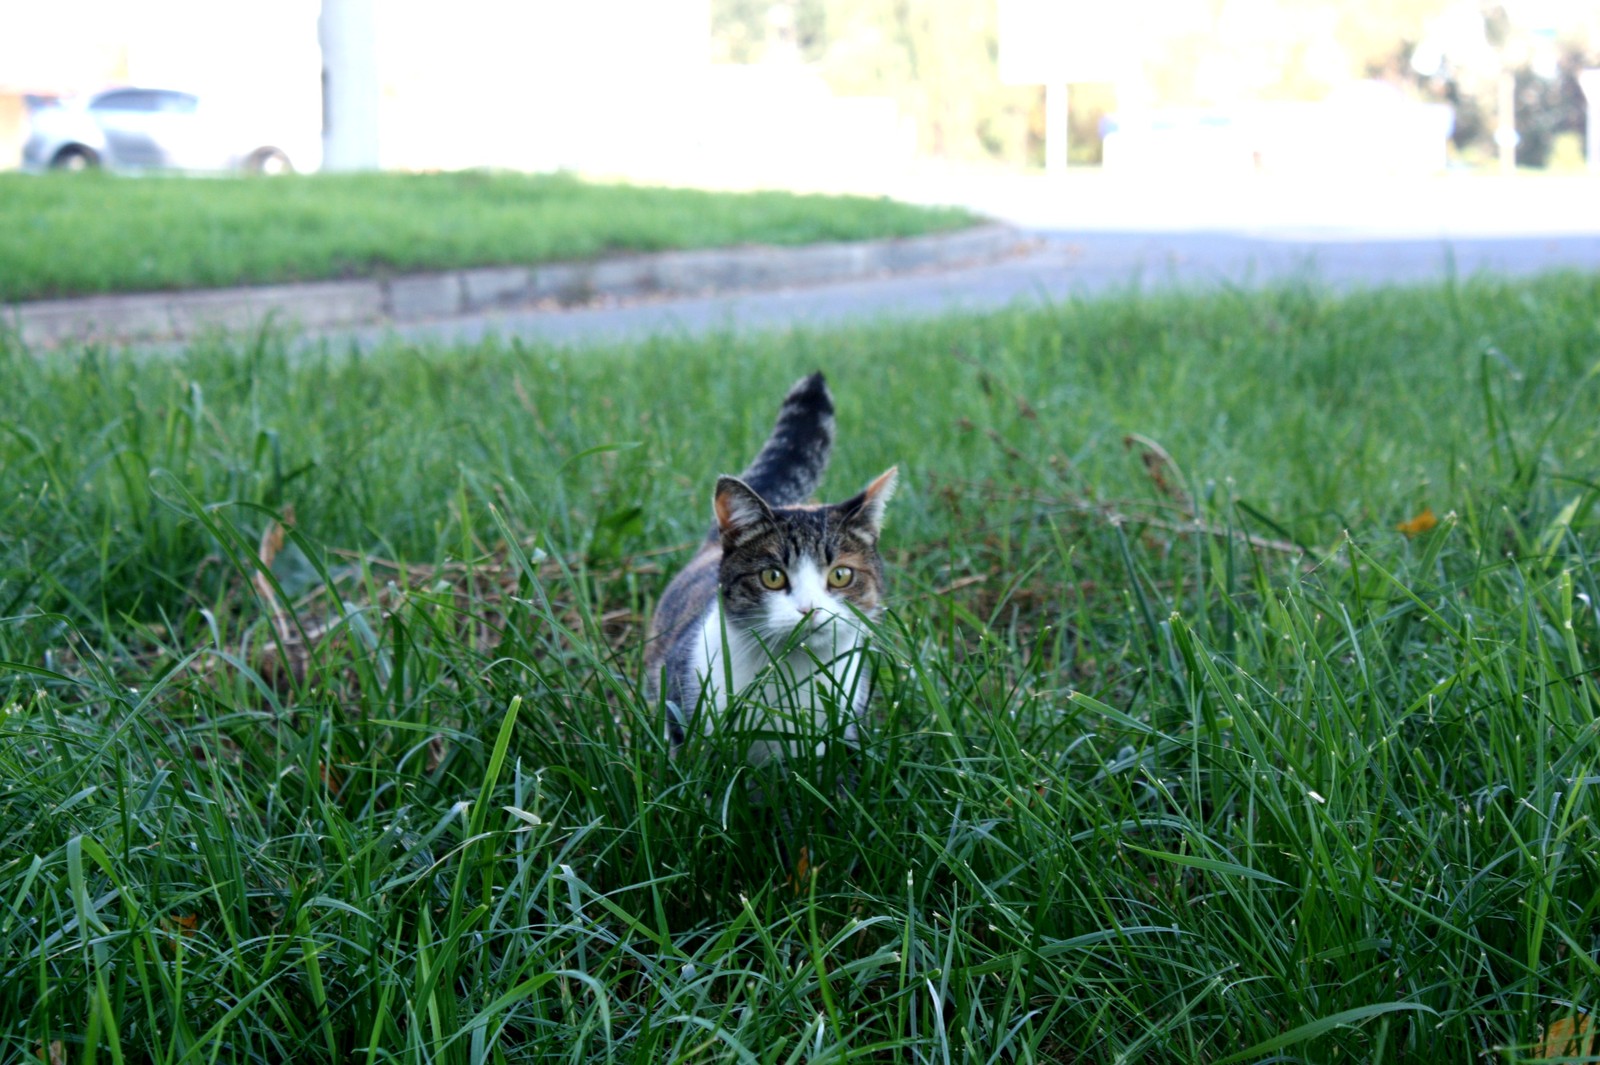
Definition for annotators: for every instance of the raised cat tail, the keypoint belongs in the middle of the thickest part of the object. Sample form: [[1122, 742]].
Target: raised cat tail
[[790, 464]]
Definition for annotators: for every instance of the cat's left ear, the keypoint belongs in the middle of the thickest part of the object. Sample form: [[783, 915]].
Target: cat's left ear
[[867, 508]]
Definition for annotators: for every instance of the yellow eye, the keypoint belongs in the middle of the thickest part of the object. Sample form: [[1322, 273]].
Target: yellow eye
[[774, 579], [840, 576]]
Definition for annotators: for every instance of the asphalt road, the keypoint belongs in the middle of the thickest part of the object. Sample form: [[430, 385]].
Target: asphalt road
[[1092, 235]]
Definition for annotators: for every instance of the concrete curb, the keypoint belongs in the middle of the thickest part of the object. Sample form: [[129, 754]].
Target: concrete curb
[[335, 304]]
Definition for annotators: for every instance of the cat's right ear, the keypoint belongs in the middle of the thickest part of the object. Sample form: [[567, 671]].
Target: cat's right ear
[[867, 508], [740, 511]]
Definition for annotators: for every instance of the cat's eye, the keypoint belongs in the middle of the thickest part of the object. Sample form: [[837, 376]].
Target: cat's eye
[[840, 576], [774, 579]]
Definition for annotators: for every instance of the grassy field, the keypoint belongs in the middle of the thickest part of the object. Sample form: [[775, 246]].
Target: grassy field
[[73, 234], [1237, 702]]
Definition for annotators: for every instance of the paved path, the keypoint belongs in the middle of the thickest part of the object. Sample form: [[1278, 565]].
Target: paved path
[[1060, 267], [1093, 234]]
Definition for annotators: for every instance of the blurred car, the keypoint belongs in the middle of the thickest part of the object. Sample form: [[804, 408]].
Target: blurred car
[[151, 129]]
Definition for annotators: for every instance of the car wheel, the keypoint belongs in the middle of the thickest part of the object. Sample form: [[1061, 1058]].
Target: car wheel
[[269, 161], [74, 158]]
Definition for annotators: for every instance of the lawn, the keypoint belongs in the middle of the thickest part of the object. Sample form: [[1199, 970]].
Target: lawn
[[1237, 700], [77, 234]]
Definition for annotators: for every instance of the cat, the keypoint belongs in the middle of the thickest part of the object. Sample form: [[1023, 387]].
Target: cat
[[770, 616]]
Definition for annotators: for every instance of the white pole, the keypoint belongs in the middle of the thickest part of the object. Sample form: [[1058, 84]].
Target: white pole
[[1589, 82], [1055, 128], [1505, 134], [350, 90]]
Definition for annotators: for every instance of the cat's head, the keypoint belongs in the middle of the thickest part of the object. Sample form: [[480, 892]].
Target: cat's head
[[806, 568]]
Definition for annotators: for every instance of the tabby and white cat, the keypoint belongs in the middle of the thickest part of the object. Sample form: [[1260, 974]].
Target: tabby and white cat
[[765, 625]]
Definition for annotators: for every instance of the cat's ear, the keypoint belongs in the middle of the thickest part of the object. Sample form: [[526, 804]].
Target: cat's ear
[[739, 509], [867, 508]]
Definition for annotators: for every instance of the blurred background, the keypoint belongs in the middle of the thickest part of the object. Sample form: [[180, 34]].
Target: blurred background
[[826, 94]]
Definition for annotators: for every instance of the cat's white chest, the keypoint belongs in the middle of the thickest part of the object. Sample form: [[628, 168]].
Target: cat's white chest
[[787, 686]]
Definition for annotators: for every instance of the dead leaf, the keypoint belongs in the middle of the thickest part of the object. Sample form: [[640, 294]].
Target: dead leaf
[[54, 1054], [1163, 472], [1568, 1037], [330, 777], [802, 870], [272, 543], [961, 582], [1423, 521], [179, 925], [1011, 452]]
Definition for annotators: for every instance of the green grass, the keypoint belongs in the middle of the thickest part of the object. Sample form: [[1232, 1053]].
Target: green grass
[[75, 234], [1179, 752]]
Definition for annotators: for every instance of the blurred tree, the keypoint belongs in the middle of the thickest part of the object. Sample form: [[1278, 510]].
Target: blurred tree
[[1227, 51], [939, 63], [736, 33], [1550, 107]]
